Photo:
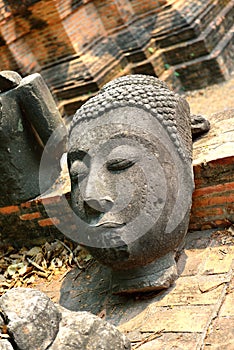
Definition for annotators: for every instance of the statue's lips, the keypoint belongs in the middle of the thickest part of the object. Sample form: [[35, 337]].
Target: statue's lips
[[109, 224]]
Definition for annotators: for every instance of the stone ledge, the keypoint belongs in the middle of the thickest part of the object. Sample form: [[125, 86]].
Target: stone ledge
[[214, 175]]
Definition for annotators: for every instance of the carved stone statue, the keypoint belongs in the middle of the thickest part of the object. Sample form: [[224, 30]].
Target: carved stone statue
[[129, 159], [28, 117]]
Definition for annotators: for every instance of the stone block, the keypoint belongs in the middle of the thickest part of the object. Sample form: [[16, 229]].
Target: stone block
[[187, 291], [218, 260], [227, 309], [169, 341], [192, 319], [221, 335], [189, 261]]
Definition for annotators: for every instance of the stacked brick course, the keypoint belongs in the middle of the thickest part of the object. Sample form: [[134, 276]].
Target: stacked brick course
[[213, 198], [78, 45]]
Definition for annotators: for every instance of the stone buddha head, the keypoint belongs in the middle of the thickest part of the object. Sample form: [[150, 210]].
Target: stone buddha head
[[129, 159]]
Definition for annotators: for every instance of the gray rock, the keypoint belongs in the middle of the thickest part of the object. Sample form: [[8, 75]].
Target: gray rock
[[34, 322], [85, 331], [28, 118], [199, 125], [5, 345], [33, 318], [9, 80]]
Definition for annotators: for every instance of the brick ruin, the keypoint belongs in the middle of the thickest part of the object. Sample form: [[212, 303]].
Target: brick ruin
[[78, 45]]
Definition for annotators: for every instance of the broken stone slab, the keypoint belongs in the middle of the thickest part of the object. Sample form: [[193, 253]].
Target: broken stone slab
[[33, 319], [29, 117], [83, 330], [39, 106], [34, 322], [219, 142], [9, 80]]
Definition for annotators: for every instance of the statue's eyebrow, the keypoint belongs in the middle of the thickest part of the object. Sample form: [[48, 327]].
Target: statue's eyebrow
[[78, 155]]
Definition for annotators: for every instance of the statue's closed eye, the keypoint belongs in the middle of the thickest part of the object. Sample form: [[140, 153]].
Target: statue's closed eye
[[119, 164], [78, 171]]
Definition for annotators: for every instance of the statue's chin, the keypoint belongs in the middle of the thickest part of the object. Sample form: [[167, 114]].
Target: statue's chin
[[159, 274]]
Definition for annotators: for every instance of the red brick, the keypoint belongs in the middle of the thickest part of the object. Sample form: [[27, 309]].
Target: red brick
[[50, 200], [214, 189], [48, 222], [206, 212], [30, 216], [222, 162], [222, 199], [26, 205], [9, 210], [222, 223]]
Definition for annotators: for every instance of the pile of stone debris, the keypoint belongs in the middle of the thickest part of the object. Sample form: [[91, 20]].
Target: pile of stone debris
[[30, 320]]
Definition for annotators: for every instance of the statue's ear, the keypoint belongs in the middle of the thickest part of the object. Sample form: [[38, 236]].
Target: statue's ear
[[199, 125]]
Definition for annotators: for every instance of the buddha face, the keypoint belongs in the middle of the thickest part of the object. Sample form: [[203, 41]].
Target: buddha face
[[130, 188]]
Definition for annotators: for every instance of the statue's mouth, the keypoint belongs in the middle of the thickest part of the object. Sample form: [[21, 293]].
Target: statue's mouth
[[109, 224]]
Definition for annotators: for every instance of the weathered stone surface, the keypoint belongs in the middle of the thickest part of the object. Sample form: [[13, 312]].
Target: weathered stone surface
[[190, 261], [9, 80], [219, 142], [39, 106], [187, 291], [33, 319], [185, 33], [5, 345], [34, 322], [129, 158], [171, 341], [219, 260], [199, 125], [172, 318], [210, 283], [84, 331], [221, 335], [29, 116], [227, 309]]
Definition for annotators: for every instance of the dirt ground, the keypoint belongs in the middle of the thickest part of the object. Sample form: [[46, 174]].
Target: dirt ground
[[212, 99]]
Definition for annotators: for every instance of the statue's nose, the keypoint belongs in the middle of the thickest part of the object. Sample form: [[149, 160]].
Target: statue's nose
[[93, 196], [100, 204]]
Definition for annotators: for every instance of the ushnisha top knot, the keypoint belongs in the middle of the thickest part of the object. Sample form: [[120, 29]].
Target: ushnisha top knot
[[150, 94]]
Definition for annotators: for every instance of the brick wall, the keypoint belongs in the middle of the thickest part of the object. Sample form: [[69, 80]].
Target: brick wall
[[213, 207], [213, 198], [27, 223], [35, 37], [113, 13], [142, 6], [47, 30], [83, 26], [49, 40], [7, 60]]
